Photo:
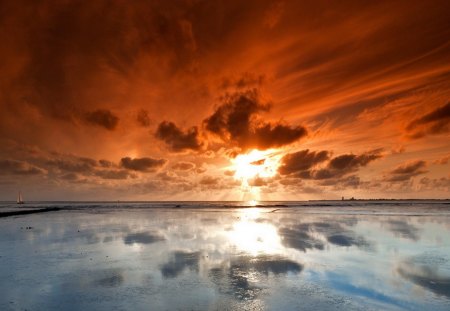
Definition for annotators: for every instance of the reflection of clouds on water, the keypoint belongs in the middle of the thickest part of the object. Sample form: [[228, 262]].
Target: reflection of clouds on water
[[298, 239], [180, 260], [403, 229], [346, 240], [312, 235], [234, 258], [419, 271], [113, 280], [243, 276], [142, 238], [95, 278]]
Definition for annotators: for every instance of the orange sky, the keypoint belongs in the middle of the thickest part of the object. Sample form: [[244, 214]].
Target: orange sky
[[155, 100]]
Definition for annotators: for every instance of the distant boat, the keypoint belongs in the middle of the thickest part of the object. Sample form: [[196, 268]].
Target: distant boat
[[20, 199]]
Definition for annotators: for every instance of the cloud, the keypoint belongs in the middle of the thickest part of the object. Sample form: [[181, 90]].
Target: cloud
[[258, 181], [176, 139], [303, 164], [351, 161], [14, 167], [183, 166], [442, 183], [442, 161], [236, 123], [244, 81], [342, 183], [113, 174], [345, 164], [142, 118], [209, 181], [407, 170], [103, 118], [301, 161], [142, 164], [73, 164], [434, 123]]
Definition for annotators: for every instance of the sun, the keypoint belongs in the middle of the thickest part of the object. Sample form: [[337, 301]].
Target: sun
[[256, 163]]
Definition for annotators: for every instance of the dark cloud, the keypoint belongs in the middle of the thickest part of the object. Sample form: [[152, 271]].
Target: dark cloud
[[142, 164], [103, 118], [105, 163], [143, 118], [70, 177], [433, 123], [73, 164], [14, 167], [142, 238], [245, 81], [407, 170], [301, 161], [183, 166], [301, 165], [68, 67], [209, 181], [345, 164], [350, 161], [442, 183], [176, 139], [235, 121], [113, 174], [342, 183], [179, 262]]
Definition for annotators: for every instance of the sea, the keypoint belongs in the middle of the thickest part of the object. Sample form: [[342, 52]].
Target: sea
[[306, 255]]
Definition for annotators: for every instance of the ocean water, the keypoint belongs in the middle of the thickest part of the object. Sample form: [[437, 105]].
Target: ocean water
[[316, 255]]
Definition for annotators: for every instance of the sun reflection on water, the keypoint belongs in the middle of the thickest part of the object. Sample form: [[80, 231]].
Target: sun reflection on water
[[253, 236]]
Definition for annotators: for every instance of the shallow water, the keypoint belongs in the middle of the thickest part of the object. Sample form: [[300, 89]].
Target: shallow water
[[116, 256]]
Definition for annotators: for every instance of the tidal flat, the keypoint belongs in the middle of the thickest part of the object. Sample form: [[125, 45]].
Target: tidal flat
[[216, 256]]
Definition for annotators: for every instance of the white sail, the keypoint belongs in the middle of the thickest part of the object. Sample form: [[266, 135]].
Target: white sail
[[19, 198]]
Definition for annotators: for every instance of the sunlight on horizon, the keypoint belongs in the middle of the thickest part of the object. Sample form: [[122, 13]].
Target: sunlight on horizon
[[253, 165]]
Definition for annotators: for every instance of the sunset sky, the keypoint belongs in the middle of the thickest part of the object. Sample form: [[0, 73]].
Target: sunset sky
[[224, 100]]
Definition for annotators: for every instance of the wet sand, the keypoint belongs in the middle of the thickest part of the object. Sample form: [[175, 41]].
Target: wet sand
[[117, 258]]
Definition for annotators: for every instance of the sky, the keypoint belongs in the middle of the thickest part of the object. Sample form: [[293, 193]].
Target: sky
[[224, 100]]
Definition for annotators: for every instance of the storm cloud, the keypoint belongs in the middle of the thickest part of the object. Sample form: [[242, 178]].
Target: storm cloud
[[406, 171], [433, 123], [236, 122], [142, 164], [176, 139], [103, 118], [301, 161]]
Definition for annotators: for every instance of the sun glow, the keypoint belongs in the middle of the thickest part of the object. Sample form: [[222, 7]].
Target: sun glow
[[255, 164], [252, 168]]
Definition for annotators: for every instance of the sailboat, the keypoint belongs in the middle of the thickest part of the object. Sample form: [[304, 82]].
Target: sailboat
[[20, 199]]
